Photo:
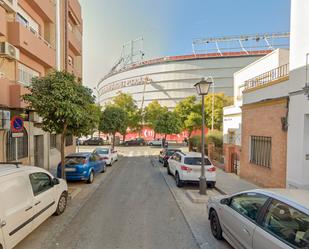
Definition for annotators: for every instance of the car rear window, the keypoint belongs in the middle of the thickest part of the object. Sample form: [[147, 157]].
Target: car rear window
[[74, 160], [196, 161], [102, 151]]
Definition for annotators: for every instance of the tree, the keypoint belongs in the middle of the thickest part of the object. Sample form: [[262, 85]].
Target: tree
[[185, 107], [220, 101], [168, 123], [113, 120], [193, 121], [65, 106], [127, 103], [152, 113]]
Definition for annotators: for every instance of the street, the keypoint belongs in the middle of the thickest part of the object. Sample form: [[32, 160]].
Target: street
[[133, 209]]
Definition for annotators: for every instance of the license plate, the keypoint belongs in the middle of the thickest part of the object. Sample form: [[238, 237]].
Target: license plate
[[70, 170]]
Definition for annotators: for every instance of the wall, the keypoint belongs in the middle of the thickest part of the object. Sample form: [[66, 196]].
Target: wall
[[264, 119], [271, 61]]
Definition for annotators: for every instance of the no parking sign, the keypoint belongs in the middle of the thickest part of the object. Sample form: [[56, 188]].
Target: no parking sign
[[17, 126]]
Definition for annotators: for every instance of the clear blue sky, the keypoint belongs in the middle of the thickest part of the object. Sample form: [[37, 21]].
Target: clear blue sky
[[168, 26]]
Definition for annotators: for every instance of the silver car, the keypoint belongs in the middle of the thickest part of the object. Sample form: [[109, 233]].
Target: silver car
[[262, 219]]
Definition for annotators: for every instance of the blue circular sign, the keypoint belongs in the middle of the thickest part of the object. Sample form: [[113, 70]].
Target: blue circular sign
[[17, 124]]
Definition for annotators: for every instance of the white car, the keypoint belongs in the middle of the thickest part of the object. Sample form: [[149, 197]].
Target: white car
[[186, 167], [262, 219], [109, 155], [28, 196], [156, 142]]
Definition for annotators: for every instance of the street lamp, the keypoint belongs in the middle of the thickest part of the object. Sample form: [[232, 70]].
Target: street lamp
[[202, 88]]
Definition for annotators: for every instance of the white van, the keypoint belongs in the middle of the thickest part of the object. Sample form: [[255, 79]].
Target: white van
[[28, 196]]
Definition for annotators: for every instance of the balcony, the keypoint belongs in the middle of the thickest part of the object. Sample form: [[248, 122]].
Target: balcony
[[75, 41], [5, 85], [31, 43], [271, 77], [45, 8], [75, 11], [16, 92]]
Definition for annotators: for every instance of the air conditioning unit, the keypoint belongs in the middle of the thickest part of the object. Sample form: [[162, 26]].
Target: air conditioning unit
[[9, 51], [9, 5], [35, 118]]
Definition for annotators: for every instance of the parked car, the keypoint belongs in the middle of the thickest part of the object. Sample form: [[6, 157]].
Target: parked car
[[187, 168], [28, 196], [82, 166], [109, 155], [156, 142], [165, 154], [81, 140], [94, 141], [136, 141], [262, 219]]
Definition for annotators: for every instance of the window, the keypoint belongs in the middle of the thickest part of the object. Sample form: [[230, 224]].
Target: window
[[71, 160], [196, 161], [287, 224], [40, 182], [260, 150], [22, 146], [25, 74], [68, 140], [248, 204], [70, 60], [27, 20], [53, 141]]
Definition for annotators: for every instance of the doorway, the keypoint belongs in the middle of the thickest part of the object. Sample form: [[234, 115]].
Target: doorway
[[39, 151]]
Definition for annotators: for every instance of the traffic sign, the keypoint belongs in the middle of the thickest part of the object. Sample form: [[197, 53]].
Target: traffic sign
[[17, 124]]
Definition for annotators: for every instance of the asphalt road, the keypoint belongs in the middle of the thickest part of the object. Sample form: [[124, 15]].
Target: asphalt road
[[132, 209]]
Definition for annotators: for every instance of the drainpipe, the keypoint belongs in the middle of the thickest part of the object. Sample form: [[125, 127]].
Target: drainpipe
[[58, 36]]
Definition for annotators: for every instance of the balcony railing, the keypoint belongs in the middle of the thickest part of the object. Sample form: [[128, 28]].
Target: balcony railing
[[265, 78]]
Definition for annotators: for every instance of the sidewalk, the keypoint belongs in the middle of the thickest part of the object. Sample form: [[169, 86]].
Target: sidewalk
[[230, 183]]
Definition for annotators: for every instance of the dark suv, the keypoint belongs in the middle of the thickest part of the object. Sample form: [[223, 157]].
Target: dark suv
[[136, 141], [94, 141]]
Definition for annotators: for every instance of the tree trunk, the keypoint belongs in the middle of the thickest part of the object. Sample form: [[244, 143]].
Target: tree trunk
[[63, 134], [124, 137], [154, 135], [113, 142], [165, 136]]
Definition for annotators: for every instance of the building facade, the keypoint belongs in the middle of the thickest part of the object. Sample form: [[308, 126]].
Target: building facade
[[35, 39], [171, 79]]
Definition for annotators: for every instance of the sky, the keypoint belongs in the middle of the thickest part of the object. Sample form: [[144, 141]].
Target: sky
[[169, 26]]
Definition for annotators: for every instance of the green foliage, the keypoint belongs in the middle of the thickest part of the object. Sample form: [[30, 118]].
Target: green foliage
[[113, 119], [220, 101], [195, 142], [168, 123], [193, 121], [134, 117], [152, 113], [64, 105], [215, 137], [185, 107]]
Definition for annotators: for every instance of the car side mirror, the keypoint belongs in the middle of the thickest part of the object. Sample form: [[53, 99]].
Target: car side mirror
[[56, 181], [225, 201]]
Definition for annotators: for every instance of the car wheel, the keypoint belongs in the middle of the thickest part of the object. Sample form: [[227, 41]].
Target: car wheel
[[215, 225], [104, 169], [179, 182], [62, 203], [91, 177], [150, 144], [165, 164], [211, 184]]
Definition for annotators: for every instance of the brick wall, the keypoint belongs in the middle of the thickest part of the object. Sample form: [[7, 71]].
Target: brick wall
[[264, 119]]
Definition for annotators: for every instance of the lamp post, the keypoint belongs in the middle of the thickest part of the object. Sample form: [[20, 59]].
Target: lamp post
[[202, 88]]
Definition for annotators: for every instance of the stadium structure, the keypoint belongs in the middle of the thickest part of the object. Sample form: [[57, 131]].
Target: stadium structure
[[171, 79]]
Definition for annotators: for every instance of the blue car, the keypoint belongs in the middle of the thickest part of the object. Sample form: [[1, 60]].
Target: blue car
[[82, 166]]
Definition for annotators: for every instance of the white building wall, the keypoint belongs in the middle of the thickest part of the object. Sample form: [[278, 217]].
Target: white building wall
[[298, 132], [173, 81], [271, 61]]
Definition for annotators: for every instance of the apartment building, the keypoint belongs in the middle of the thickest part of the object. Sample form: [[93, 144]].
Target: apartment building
[[36, 36]]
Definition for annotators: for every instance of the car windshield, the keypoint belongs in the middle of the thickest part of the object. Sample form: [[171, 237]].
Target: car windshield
[[74, 160], [196, 161], [102, 151]]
